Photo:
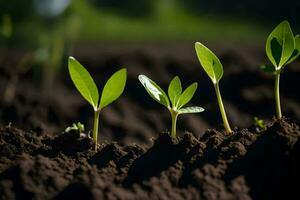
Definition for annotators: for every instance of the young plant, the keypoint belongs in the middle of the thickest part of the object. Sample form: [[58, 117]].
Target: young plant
[[282, 48], [260, 124], [79, 127], [176, 99], [214, 69], [85, 84]]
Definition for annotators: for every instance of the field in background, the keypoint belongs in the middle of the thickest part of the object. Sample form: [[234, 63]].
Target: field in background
[[167, 21]]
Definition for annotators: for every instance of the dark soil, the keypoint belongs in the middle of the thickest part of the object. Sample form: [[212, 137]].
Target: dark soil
[[205, 164], [245, 165]]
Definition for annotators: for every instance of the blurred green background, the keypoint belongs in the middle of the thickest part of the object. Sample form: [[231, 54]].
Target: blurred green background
[[27, 22]]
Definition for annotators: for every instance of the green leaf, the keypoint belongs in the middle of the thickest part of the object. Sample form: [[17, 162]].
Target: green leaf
[[80, 127], [83, 82], [174, 90], [77, 127], [210, 62], [268, 68], [154, 90], [192, 109], [280, 44], [113, 88], [296, 51], [187, 95]]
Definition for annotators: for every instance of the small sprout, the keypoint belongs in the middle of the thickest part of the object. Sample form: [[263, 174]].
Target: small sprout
[[282, 48], [176, 99], [260, 124], [214, 69], [85, 84], [79, 127]]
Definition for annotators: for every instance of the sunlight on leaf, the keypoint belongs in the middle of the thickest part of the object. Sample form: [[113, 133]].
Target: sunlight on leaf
[[192, 109], [210, 62], [187, 95], [113, 88], [83, 82], [174, 90], [280, 45], [154, 90]]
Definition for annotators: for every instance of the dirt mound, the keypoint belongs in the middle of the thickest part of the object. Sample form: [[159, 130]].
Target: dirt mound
[[245, 165]]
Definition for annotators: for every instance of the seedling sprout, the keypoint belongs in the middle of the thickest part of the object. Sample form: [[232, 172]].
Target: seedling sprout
[[260, 124], [85, 84], [79, 127], [214, 69], [282, 48], [175, 100]]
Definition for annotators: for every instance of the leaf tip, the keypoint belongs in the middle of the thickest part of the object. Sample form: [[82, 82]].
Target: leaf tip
[[177, 79], [196, 84], [285, 22], [71, 58], [197, 43], [123, 70], [141, 77]]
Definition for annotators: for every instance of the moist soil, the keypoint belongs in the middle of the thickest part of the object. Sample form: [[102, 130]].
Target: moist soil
[[39, 161], [249, 164]]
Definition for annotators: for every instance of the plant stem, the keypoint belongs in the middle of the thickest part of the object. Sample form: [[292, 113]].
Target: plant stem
[[95, 129], [277, 96], [222, 109], [174, 115]]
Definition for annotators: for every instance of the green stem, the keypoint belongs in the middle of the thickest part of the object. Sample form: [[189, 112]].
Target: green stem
[[277, 96], [174, 115], [222, 109], [95, 129]]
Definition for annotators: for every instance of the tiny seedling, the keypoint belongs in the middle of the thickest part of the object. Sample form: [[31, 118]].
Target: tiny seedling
[[214, 69], [176, 99], [260, 123], [85, 84], [282, 48], [79, 127]]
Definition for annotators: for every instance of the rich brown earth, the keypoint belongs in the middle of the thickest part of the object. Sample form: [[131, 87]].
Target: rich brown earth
[[205, 164], [246, 165]]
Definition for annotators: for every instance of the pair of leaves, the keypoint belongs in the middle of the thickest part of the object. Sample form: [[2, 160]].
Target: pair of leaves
[[210, 62], [85, 84], [282, 47], [177, 97]]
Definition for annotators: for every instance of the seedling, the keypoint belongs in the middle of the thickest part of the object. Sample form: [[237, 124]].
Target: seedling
[[85, 84], [282, 48], [79, 127], [260, 123], [176, 99], [214, 69]]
